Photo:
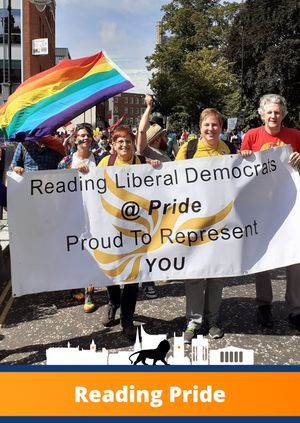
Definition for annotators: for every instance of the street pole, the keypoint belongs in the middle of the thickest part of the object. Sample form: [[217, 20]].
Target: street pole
[[9, 47]]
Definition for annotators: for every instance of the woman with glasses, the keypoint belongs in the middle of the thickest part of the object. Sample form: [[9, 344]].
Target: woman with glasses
[[123, 143], [83, 160]]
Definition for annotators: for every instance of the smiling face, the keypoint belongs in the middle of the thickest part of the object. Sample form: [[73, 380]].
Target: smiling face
[[83, 140], [124, 147], [210, 129], [272, 117]]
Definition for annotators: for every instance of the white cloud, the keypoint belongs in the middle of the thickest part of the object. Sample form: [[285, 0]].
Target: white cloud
[[125, 29]]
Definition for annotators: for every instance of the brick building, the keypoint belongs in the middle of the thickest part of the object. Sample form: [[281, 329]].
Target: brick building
[[132, 105], [28, 25]]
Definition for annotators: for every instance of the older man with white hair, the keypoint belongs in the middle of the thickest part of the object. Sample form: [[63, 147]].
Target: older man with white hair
[[272, 110]]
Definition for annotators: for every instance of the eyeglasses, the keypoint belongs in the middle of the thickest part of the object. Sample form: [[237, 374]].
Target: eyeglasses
[[126, 142]]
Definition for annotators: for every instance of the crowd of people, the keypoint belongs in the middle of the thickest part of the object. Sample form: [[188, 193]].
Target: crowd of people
[[151, 143]]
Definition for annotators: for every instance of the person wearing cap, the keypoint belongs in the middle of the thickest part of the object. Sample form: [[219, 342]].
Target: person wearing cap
[[156, 119], [152, 142]]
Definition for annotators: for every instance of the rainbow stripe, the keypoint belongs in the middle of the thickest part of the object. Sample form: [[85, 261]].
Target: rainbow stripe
[[47, 100]]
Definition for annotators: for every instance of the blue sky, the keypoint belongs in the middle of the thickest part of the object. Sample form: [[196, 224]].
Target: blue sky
[[125, 29]]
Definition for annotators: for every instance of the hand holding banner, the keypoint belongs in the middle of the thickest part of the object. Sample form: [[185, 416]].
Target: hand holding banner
[[210, 217]]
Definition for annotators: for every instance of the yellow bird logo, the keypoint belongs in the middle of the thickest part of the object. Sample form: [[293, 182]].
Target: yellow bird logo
[[119, 263]]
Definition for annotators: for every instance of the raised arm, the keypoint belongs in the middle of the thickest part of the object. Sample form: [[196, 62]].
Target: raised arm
[[144, 125]]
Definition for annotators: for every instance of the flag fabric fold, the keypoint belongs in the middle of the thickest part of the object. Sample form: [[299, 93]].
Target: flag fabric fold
[[47, 100]]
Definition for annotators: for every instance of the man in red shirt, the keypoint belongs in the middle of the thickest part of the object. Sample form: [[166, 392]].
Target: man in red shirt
[[272, 110]]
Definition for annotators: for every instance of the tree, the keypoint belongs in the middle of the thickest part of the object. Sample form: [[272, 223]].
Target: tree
[[189, 70], [264, 45]]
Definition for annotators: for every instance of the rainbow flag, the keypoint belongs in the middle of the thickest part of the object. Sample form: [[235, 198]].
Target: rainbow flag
[[47, 100]]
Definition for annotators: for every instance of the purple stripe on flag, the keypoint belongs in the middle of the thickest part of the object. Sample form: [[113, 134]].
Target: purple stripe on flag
[[50, 125]]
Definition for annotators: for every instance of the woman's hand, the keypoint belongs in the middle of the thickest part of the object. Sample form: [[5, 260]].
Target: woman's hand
[[294, 159], [83, 168], [246, 153]]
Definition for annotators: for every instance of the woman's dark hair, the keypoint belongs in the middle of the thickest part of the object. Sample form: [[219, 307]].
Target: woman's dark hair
[[87, 126]]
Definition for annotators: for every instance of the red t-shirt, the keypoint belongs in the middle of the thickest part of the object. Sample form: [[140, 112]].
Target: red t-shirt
[[259, 139]]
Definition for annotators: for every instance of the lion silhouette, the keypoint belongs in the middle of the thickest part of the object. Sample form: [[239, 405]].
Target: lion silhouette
[[157, 354]]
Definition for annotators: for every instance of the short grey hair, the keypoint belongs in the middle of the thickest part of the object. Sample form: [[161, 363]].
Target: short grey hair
[[272, 98]]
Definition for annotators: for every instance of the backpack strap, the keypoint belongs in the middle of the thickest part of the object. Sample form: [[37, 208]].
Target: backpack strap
[[112, 159], [191, 148]]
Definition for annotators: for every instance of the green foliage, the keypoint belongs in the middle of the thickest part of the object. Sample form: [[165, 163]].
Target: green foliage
[[264, 44], [178, 120], [190, 71]]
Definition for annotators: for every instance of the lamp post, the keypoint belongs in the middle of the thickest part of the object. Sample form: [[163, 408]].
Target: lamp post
[[9, 46]]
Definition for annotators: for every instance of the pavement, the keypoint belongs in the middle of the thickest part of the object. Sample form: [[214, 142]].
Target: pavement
[[34, 323]]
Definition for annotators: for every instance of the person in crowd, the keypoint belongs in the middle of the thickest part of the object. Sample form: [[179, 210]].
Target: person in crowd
[[69, 142], [183, 137], [173, 148], [44, 154], [103, 146], [82, 159], [123, 142], [3, 195], [152, 142], [156, 119], [204, 296], [273, 109]]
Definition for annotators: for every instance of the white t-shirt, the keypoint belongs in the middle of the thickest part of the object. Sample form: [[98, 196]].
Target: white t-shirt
[[90, 162]]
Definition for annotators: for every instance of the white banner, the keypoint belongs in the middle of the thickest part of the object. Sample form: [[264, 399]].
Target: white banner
[[207, 217]]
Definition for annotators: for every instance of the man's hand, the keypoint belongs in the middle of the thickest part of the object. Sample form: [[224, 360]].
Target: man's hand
[[294, 159], [18, 169], [154, 163], [149, 100], [246, 153]]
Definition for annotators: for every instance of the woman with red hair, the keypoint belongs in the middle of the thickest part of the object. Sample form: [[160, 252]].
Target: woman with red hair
[[123, 144]]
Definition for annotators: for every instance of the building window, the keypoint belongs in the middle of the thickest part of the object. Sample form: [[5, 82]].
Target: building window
[[136, 121], [131, 100], [136, 100], [131, 110], [116, 109], [222, 357], [126, 100], [15, 26], [137, 111], [126, 110], [116, 99], [15, 71]]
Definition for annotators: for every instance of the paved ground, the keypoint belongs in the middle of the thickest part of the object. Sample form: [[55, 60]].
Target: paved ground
[[37, 322]]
